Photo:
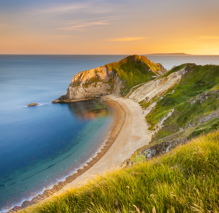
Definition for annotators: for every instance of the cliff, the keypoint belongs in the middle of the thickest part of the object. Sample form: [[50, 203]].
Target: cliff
[[114, 78]]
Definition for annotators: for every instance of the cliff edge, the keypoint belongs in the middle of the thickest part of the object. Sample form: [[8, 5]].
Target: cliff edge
[[114, 78]]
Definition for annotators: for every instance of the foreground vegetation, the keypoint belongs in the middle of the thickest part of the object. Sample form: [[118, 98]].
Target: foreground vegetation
[[184, 180]]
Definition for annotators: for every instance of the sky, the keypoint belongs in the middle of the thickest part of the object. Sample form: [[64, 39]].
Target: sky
[[109, 26]]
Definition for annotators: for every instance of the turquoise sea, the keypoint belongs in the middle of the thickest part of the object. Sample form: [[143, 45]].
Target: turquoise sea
[[42, 145]]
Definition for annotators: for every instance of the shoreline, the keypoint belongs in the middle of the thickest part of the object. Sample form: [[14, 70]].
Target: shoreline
[[119, 116], [133, 135]]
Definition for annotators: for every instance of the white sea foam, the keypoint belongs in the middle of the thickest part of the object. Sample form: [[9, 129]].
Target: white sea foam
[[49, 187], [42, 104]]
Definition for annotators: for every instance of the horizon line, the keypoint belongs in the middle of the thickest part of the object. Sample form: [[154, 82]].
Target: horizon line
[[161, 54]]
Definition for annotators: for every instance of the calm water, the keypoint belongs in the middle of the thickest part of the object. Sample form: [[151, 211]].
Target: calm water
[[169, 61], [41, 145]]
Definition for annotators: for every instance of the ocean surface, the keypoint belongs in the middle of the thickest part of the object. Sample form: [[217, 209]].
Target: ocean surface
[[42, 145]]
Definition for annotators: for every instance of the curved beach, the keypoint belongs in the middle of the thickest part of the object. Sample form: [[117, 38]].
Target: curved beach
[[119, 116], [134, 134], [129, 131]]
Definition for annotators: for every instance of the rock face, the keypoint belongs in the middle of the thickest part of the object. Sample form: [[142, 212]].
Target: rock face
[[115, 78], [94, 83], [156, 87], [154, 150]]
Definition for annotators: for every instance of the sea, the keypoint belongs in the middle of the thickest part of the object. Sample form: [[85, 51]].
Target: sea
[[42, 145]]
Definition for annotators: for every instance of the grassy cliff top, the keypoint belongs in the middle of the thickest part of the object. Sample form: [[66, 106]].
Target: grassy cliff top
[[134, 70]]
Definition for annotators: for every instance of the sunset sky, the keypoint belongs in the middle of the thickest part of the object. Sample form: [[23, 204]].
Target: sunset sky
[[109, 26]]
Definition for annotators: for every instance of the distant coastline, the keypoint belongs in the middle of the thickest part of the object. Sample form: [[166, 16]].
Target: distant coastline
[[122, 55], [170, 54]]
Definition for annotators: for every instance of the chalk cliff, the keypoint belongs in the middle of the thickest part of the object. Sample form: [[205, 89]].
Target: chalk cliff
[[157, 87], [114, 78]]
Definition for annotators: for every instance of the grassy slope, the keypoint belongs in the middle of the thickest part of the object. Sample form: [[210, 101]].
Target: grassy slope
[[184, 180], [134, 70], [189, 113], [199, 79]]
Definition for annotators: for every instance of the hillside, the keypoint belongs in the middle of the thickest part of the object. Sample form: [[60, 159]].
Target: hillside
[[184, 180], [115, 78], [179, 105], [171, 54]]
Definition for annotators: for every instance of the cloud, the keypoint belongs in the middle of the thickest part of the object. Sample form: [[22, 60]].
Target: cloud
[[210, 37], [86, 24], [66, 8], [90, 7], [128, 39], [61, 36]]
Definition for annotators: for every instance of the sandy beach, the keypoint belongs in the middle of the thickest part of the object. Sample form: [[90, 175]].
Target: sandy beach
[[133, 135], [129, 131]]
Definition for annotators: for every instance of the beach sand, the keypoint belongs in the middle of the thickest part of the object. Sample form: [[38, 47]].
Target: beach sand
[[129, 131], [133, 134]]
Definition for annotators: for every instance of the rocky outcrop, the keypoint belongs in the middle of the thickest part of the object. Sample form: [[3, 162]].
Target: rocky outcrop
[[32, 104], [93, 83], [115, 78], [162, 70], [154, 150]]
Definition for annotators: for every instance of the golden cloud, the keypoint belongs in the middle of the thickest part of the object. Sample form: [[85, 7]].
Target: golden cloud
[[128, 39]]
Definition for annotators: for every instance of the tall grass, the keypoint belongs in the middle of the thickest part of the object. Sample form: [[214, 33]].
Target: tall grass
[[184, 180]]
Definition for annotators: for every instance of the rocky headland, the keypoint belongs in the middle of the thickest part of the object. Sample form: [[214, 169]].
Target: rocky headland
[[114, 78]]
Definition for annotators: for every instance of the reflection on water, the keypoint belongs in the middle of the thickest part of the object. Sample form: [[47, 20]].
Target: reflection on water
[[88, 110]]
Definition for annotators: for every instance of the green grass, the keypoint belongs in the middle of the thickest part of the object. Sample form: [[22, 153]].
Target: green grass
[[189, 113], [184, 180], [175, 69], [215, 87], [197, 80], [91, 81], [144, 104], [205, 128], [134, 70]]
